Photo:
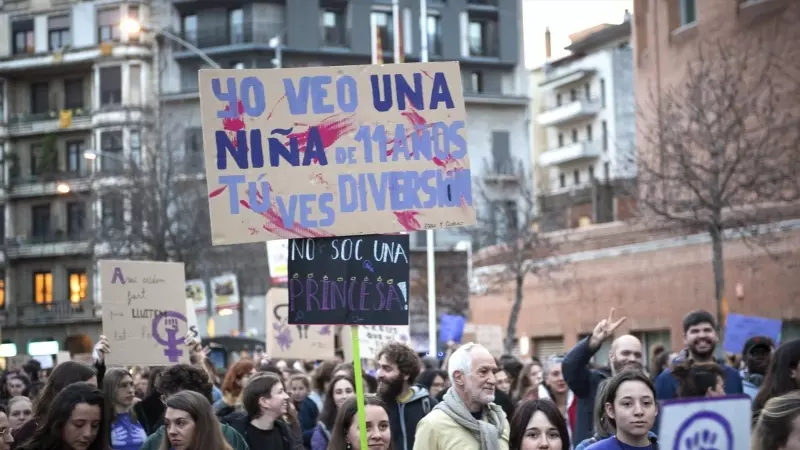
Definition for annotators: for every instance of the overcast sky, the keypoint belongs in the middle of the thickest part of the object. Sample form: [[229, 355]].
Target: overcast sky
[[564, 17]]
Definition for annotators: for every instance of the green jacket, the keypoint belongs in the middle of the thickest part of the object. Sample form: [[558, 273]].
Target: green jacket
[[232, 436]]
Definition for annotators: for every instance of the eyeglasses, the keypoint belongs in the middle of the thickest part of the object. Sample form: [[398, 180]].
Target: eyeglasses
[[5, 432]]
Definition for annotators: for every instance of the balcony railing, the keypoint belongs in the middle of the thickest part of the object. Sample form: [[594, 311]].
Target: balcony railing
[[570, 153], [248, 33], [49, 121], [57, 312], [51, 177], [575, 110], [47, 183], [56, 243]]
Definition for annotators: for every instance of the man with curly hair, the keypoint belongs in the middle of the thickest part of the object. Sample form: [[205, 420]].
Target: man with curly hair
[[398, 368]]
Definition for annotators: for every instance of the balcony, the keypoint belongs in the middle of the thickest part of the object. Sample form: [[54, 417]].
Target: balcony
[[55, 313], [222, 40], [46, 184], [570, 112], [570, 153], [500, 172], [54, 120], [58, 243]]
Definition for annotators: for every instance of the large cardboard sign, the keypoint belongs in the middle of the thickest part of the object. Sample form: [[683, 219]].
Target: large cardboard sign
[[294, 341], [144, 312], [371, 338], [360, 280], [721, 423], [335, 151]]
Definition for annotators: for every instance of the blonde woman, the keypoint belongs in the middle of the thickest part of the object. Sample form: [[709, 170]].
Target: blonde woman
[[778, 426]]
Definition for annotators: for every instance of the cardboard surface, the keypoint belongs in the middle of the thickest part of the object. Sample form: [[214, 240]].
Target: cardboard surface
[[294, 341]]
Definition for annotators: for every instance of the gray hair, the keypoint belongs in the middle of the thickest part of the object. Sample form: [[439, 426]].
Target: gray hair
[[550, 362], [461, 361]]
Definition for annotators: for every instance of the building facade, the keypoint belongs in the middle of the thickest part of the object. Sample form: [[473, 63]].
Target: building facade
[[71, 81], [483, 35], [586, 115]]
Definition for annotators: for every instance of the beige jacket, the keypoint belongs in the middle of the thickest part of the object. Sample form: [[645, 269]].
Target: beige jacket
[[437, 431]]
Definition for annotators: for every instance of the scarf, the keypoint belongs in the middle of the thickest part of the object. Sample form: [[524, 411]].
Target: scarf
[[487, 432]]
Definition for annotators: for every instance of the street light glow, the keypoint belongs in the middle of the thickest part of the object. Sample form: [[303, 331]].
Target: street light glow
[[63, 188], [89, 154], [130, 26]]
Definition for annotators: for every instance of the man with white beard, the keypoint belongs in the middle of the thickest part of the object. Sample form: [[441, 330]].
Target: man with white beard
[[467, 418]]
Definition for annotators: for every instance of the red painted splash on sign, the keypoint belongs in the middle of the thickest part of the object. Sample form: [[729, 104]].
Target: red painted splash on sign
[[408, 220], [275, 225], [234, 123], [272, 111], [217, 191], [331, 129]]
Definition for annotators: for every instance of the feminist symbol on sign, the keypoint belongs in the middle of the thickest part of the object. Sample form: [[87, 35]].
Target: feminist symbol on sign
[[171, 327]]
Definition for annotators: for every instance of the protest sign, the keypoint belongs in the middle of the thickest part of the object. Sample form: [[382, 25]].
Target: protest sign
[[144, 313], [191, 320], [715, 422], [196, 291], [739, 328], [361, 280], [277, 259], [451, 328], [373, 337], [335, 151], [294, 341]]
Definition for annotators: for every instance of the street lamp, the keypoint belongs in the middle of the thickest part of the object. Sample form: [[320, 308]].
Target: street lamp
[[133, 26], [63, 188], [90, 155]]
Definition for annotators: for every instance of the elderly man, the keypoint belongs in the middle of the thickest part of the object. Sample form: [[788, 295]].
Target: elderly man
[[467, 418]]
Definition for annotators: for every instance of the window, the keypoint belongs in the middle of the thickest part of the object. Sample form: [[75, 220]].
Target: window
[[136, 147], [476, 82], [558, 99], [77, 283], [36, 156], [76, 219], [73, 94], [43, 288], [603, 93], [482, 37], [133, 14], [194, 149], [501, 152], [235, 26], [40, 98], [135, 85], [560, 140], [190, 28], [604, 130], [591, 173], [606, 171], [574, 135], [59, 32], [24, 40], [588, 91], [688, 12], [2, 226], [576, 176], [75, 156], [40, 222], [110, 86], [434, 35], [589, 132], [573, 95], [113, 212], [111, 143], [383, 20], [2, 289], [108, 25], [334, 33], [562, 180]]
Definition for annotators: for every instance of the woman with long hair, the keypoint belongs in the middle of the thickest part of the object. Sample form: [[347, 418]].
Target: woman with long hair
[[555, 388], [537, 424], [74, 420], [433, 380], [778, 427], [308, 414], [64, 374], [191, 424], [630, 410], [783, 375], [345, 434], [118, 389], [699, 379], [232, 386], [340, 389], [20, 410], [528, 382], [16, 385]]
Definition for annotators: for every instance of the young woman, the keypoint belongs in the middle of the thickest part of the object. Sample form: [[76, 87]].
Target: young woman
[[345, 434], [118, 389], [783, 375], [74, 421], [64, 374], [556, 389], [537, 424], [432, 380], [779, 424], [299, 387], [235, 381], [5, 430], [527, 385], [20, 410], [699, 379], [191, 424], [16, 385], [630, 410], [340, 389], [312, 405]]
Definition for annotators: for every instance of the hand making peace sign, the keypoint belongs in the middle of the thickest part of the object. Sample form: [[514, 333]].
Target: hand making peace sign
[[604, 329]]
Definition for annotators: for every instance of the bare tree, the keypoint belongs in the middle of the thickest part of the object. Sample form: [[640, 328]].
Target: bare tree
[[722, 146], [508, 219]]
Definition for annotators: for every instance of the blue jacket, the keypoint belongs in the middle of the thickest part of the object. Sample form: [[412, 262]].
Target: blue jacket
[[667, 385], [584, 382], [307, 416], [595, 439]]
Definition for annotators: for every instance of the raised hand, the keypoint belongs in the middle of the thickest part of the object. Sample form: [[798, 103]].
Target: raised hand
[[604, 329], [102, 348]]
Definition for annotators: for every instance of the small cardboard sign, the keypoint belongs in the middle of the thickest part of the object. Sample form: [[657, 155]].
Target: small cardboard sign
[[371, 338], [335, 151], [359, 280], [144, 312], [715, 422], [294, 341]]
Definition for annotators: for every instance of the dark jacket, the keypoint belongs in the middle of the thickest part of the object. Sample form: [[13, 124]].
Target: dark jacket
[[239, 421], [404, 417], [150, 412], [234, 439], [583, 381], [307, 416], [667, 385]]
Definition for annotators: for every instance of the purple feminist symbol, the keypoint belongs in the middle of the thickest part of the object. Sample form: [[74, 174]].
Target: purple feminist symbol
[[171, 326]]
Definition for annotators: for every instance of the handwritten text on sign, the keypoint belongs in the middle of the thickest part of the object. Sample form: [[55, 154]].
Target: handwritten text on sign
[[144, 312], [359, 280], [333, 151]]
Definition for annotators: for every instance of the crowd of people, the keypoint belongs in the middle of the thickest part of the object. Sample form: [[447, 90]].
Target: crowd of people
[[470, 400]]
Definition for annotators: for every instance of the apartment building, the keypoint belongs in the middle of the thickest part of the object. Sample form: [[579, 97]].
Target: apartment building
[[485, 36], [586, 113], [71, 81]]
